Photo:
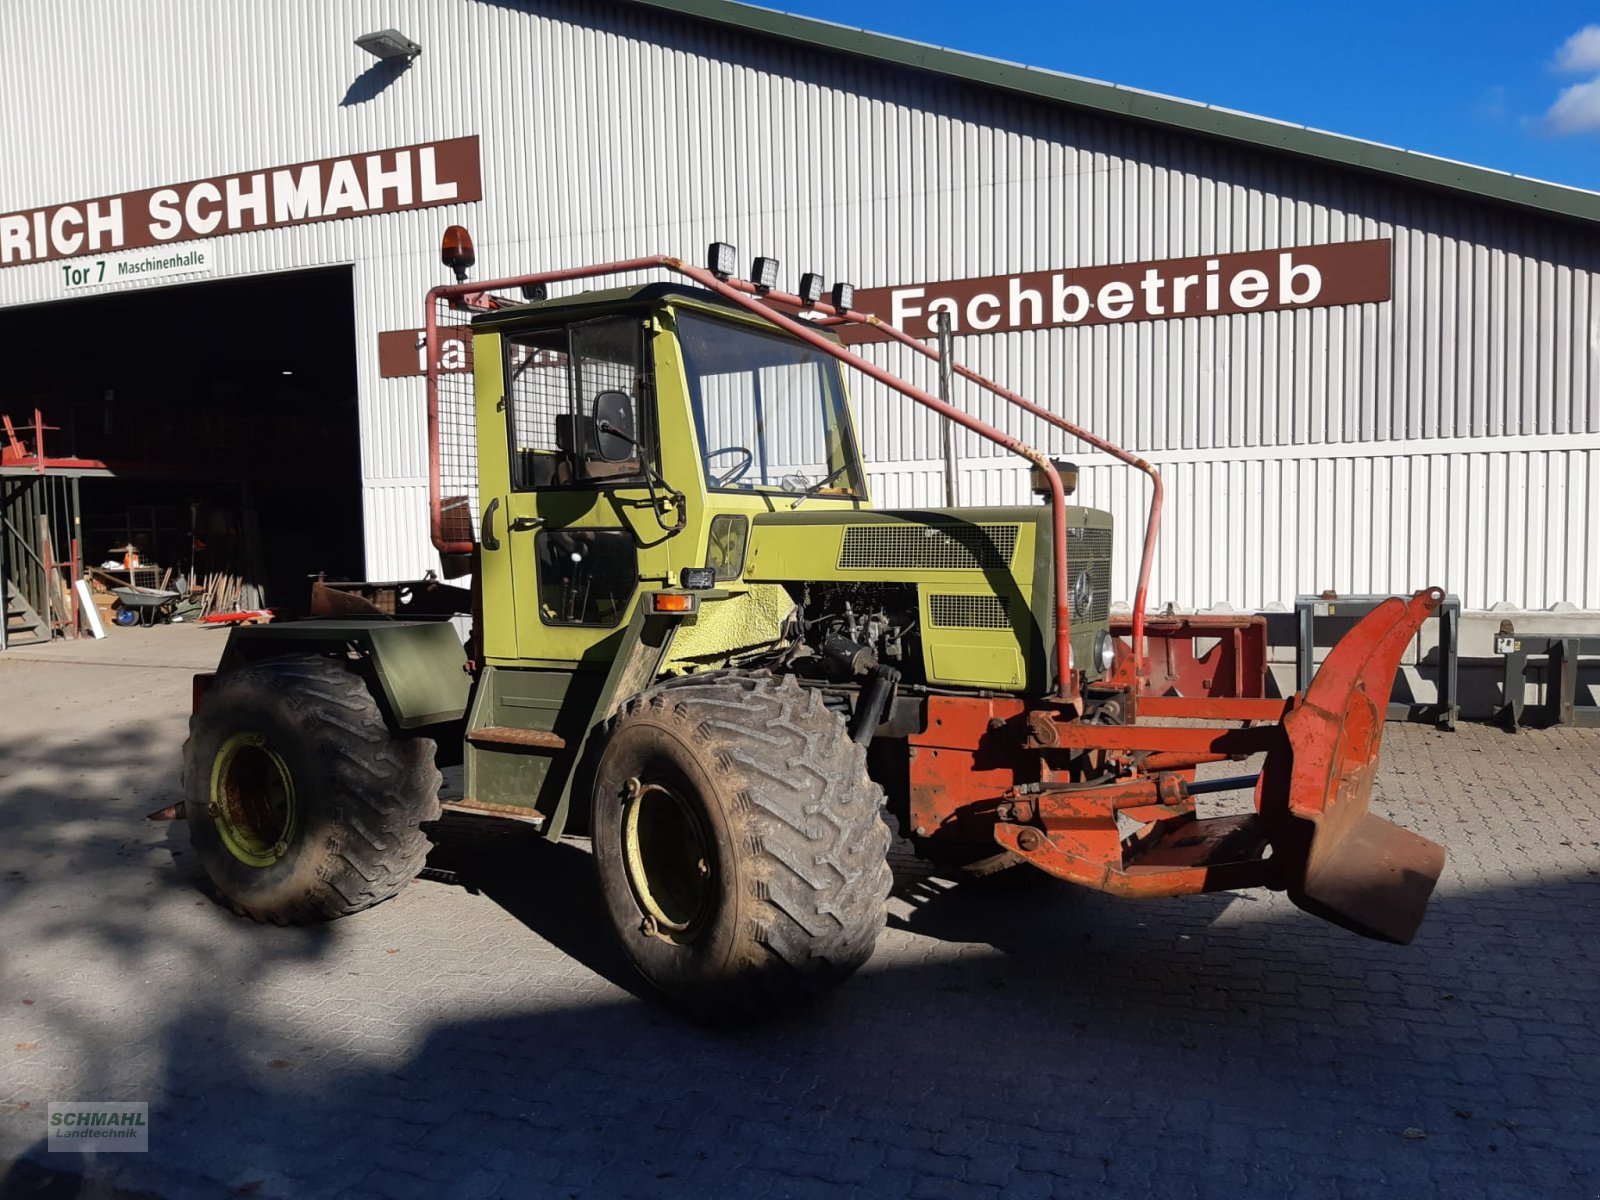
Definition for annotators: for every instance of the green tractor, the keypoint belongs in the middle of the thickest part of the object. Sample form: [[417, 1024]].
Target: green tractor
[[692, 638]]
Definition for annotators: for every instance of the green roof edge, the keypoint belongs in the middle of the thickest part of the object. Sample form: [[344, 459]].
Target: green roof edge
[[1481, 183]]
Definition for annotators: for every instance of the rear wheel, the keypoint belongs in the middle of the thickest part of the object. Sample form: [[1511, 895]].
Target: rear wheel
[[302, 804], [740, 844]]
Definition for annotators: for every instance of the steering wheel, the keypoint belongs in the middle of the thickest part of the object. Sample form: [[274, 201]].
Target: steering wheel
[[737, 471]]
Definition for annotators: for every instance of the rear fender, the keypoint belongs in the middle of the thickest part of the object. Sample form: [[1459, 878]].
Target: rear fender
[[419, 667]]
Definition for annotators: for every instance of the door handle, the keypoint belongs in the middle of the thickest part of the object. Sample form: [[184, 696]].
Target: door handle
[[523, 524], [487, 537]]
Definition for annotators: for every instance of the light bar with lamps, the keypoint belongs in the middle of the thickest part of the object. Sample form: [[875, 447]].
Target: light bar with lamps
[[388, 45], [722, 259]]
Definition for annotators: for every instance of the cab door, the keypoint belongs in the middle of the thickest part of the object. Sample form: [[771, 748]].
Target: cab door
[[498, 622], [581, 527]]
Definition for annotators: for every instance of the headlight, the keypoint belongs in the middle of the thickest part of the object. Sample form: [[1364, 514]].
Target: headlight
[[1105, 651]]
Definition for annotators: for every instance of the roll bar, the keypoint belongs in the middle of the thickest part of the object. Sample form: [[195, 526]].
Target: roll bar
[[747, 296]]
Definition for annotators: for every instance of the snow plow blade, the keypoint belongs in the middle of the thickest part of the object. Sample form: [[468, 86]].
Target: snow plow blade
[[1336, 859]]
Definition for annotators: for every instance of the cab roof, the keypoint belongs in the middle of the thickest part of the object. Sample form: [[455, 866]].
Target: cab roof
[[560, 308]]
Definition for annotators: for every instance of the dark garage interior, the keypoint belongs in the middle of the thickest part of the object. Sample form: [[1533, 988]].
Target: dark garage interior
[[226, 413]]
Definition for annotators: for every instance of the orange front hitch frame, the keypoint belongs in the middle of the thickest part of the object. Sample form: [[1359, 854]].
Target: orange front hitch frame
[[1311, 833]]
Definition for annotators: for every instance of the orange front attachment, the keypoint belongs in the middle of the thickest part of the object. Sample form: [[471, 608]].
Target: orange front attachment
[[1335, 858], [998, 768]]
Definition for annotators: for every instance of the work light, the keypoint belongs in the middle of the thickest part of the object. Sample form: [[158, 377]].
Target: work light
[[721, 259], [844, 296], [810, 288], [764, 274], [697, 578], [389, 44], [1040, 482]]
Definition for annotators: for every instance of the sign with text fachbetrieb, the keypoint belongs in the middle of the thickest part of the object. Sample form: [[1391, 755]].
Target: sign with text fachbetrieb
[[1157, 290], [329, 189]]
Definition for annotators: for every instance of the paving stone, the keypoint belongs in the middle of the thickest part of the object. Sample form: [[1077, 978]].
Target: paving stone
[[1020, 1040]]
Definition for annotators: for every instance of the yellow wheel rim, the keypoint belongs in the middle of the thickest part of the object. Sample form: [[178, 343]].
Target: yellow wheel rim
[[669, 860], [252, 800]]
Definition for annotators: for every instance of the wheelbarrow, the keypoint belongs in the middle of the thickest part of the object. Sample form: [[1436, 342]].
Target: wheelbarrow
[[143, 606]]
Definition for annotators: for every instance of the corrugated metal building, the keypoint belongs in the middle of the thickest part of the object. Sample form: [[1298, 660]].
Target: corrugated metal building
[[1432, 420]]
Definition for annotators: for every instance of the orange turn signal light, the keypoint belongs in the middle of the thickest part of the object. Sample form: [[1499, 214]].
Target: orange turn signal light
[[673, 602]]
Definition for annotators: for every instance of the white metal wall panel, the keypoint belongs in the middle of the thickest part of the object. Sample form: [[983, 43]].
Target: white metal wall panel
[[1448, 436], [396, 529]]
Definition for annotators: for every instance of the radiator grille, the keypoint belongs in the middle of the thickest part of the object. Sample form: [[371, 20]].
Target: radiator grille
[[969, 612], [1091, 552], [927, 548]]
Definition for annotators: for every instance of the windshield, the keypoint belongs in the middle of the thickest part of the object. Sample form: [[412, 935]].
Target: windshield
[[769, 409]]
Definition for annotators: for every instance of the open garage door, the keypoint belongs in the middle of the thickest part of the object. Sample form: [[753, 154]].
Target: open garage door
[[226, 412]]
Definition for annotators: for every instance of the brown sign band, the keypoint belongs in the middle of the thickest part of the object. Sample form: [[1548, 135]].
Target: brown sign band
[[1157, 290], [400, 351], [330, 189]]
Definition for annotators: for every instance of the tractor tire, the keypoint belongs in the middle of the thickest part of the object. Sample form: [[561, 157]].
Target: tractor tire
[[740, 844], [303, 805]]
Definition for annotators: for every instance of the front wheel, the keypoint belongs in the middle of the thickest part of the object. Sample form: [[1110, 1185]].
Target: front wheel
[[740, 845]]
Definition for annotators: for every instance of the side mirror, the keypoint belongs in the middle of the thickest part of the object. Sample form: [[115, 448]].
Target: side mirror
[[614, 436]]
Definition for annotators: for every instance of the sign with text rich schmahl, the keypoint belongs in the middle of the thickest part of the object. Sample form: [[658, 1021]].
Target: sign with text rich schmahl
[[354, 185]]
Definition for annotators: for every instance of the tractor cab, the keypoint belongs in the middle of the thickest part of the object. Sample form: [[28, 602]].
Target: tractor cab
[[624, 436]]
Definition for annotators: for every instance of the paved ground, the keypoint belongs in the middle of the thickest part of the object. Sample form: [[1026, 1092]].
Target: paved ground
[[1019, 1040]]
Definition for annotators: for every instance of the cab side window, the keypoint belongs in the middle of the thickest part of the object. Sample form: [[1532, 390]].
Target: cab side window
[[554, 376]]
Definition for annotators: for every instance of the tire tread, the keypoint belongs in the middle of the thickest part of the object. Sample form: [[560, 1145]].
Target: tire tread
[[382, 787], [812, 819]]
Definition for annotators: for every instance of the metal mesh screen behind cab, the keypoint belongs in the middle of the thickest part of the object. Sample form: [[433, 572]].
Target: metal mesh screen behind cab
[[457, 446], [927, 547]]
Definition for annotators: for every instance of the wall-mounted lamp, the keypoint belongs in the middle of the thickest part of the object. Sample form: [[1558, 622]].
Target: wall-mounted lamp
[[389, 44]]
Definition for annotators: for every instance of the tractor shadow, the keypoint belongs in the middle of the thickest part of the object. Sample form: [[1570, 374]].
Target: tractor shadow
[[549, 887], [1056, 1041]]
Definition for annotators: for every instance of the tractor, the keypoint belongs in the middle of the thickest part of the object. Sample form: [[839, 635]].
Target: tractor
[[689, 635]]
